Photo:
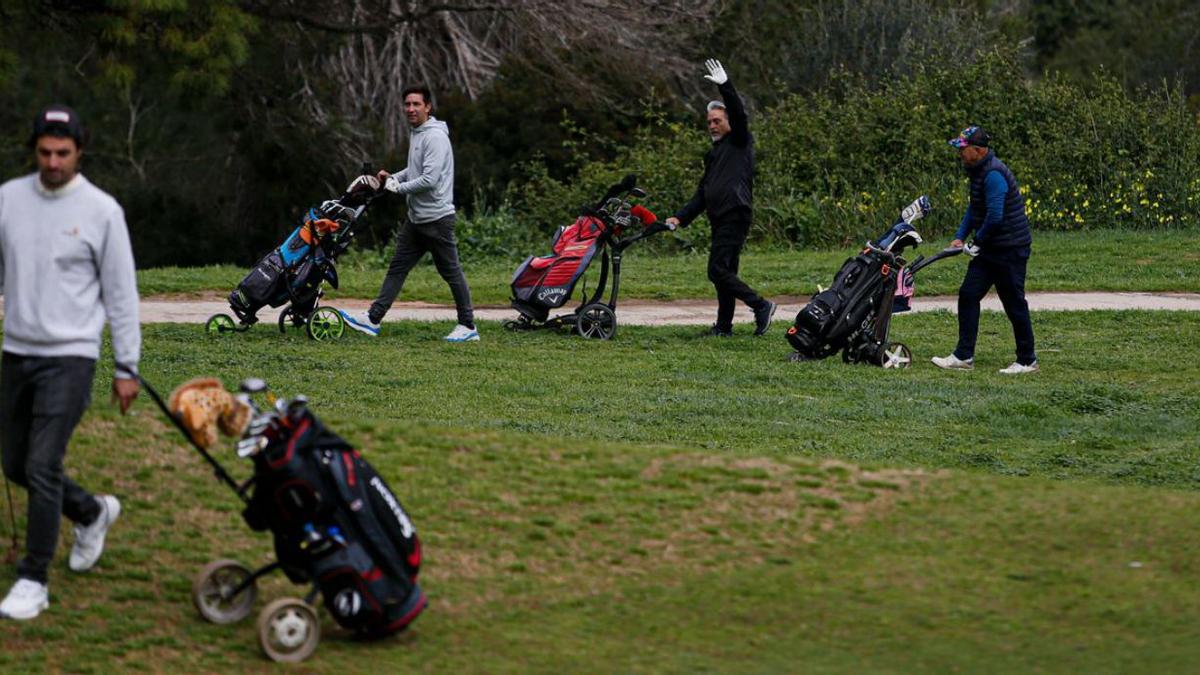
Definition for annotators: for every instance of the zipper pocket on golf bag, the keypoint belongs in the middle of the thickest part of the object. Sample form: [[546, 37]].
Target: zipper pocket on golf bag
[[360, 597]]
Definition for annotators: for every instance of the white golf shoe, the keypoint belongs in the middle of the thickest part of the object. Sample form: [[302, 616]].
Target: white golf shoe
[[1019, 369], [952, 362]]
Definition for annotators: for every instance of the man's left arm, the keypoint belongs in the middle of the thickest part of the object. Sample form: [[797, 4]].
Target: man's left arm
[[118, 292], [995, 188], [438, 154], [739, 121]]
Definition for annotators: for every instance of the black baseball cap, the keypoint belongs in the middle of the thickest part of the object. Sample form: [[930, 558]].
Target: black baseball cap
[[58, 120]]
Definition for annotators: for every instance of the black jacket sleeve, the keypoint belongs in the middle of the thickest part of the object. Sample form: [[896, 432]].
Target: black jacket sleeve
[[739, 122], [693, 208]]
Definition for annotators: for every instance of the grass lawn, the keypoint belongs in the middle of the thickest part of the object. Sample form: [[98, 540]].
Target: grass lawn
[[1105, 260], [668, 503]]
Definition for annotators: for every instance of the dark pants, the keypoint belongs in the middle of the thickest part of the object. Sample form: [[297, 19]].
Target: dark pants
[[723, 259], [1006, 271], [41, 401], [412, 242]]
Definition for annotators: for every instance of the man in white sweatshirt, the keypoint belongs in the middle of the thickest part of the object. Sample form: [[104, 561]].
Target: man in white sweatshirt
[[66, 267], [428, 185]]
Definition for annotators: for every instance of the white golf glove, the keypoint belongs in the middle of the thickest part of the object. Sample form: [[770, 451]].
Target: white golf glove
[[971, 249], [364, 184], [715, 72]]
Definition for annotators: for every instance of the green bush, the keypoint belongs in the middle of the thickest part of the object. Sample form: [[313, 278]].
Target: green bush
[[834, 168]]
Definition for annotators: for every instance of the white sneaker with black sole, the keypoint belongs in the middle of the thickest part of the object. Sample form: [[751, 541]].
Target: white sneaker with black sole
[[89, 539], [25, 600]]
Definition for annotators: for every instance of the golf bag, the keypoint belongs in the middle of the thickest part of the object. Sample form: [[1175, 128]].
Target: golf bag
[[294, 271], [826, 324], [334, 521], [854, 314], [544, 283]]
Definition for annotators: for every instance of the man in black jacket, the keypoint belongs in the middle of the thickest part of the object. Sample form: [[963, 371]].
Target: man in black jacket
[[725, 195]]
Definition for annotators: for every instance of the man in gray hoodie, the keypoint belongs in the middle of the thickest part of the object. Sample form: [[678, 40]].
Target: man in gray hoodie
[[428, 184], [66, 267]]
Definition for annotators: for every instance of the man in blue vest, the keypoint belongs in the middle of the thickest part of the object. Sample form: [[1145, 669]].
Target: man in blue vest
[[1000, 253]]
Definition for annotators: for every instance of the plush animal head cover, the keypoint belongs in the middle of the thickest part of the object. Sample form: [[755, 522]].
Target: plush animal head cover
[[203, 406]]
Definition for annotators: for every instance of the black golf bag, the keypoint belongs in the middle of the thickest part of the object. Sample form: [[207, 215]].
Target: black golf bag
[[847, 308], [334, 521], [294, 271], [854, 314]]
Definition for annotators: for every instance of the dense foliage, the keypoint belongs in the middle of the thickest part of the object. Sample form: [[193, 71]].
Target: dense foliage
[[217, 122], [837, 165]]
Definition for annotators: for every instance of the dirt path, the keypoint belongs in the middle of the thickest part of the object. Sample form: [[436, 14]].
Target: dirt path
[[160, 309]]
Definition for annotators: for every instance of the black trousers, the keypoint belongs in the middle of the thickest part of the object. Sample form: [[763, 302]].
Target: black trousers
[[41, 401], [412, 242], [723, 261], [1006, 271]]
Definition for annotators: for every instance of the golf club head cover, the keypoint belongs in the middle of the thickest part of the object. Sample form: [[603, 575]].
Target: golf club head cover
[[369, 184], [203, 406], [916, 210]]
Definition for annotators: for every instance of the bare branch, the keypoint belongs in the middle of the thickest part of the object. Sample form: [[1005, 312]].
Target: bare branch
[[461, 45]]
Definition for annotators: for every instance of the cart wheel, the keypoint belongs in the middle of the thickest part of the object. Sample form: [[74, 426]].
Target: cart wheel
[[211, 589], [895, 355], [596, 321], [288, 630], [326, 323], [219, 323], [287, 319]]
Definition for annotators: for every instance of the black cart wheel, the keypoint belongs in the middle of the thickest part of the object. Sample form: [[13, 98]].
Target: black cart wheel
[[219, 324], [895, 355], [596, 321], [288, 630], [288, 320], [326, 323], [212, 592]]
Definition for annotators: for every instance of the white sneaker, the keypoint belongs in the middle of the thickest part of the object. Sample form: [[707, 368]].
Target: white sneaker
[[89, 539], [361, 321], [462, 334], [952, 362], [26, 600], [1018, 369]]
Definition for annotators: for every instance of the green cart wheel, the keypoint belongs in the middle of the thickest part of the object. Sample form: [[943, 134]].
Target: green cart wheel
[[218, 324], [326, 323]]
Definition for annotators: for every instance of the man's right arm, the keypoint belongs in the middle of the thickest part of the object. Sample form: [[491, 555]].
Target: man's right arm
[[693, 208], [964, 228]]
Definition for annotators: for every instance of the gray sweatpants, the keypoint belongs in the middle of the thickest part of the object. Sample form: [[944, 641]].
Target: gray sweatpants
[[412, 242], [41, 401]]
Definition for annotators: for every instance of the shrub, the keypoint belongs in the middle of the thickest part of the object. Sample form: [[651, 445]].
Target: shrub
[[835, 167]]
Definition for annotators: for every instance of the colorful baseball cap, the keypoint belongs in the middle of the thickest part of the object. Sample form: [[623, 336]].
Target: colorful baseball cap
[[58, 120], [972, 135]]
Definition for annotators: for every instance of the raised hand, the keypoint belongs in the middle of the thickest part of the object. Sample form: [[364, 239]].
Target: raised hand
[[715, 72]]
